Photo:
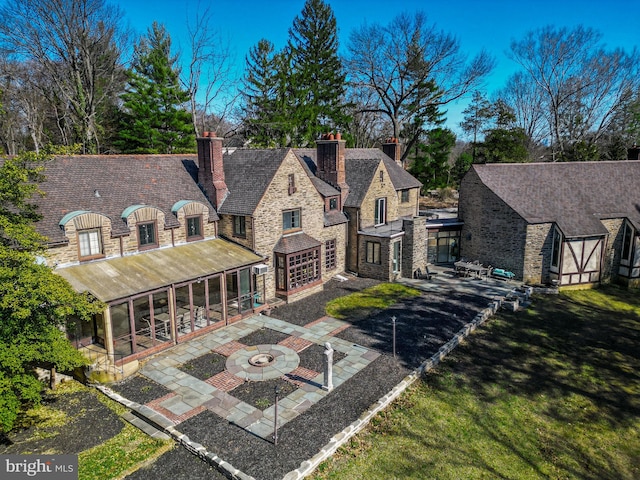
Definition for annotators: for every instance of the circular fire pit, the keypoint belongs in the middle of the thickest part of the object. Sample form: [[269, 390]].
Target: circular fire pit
[[261, 360]]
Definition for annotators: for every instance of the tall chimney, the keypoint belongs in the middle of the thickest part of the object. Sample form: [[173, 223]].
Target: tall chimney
[[392, 149], [211, 168], [331, 163]]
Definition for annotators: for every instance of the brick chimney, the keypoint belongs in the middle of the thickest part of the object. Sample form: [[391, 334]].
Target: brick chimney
[[331, 163], [211, 168], [393, 149]]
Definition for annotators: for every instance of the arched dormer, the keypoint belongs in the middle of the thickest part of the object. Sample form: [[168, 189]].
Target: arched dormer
[[145, 220], [88, 230], [193, 216]]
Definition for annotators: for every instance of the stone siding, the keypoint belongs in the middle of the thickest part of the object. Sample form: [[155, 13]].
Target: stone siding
[[414, 248], [493, 233], [537, 254], [612, 251], [410, 208], [376, 190], [112, 247], [268, 224]]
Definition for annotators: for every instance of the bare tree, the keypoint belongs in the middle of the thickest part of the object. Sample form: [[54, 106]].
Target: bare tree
[[77, 45], [412, 70], [208, 74], [578, 84]]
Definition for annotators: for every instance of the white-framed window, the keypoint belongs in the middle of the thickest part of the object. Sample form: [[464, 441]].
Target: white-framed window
[[90, 243], [380, 214]]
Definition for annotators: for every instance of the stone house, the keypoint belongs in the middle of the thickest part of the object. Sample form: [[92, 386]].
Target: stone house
[[139, 234], [177, 245], [574, 224], [386, 238]]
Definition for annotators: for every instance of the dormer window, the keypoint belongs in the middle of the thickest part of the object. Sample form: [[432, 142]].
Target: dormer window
[[194, 227], [90, 244], [147, 237], [333, 203]]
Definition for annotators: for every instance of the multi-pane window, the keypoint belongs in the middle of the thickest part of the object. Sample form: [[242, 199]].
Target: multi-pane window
[[147, 234], [239, 226], [380, 213], [194, 227], [90, 243], [330, 260], [404, 196], [291, 219], [333, 203], [298, 269], [373, 252]]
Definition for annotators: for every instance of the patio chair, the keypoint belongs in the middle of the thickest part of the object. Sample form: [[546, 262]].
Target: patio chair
[[418, 275]]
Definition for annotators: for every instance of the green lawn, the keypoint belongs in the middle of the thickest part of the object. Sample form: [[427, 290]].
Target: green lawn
[[368, 301], [550, 392]]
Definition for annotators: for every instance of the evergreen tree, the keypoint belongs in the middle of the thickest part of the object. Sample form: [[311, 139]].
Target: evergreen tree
[[154, 117], [318, 76], [35, 303], [431, 165], [267, 119]]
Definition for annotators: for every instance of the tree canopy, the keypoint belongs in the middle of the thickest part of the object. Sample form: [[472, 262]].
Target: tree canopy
[[35, 303], [293, 96], [154, 118]]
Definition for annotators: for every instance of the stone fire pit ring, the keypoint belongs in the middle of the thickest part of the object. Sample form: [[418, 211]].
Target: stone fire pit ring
[[262, 362]]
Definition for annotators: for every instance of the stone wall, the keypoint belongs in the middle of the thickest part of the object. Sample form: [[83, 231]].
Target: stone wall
[[414, 248], [112, 247], [537, 254], [612, 250], [379, 189], [492, 232], [268, 226]]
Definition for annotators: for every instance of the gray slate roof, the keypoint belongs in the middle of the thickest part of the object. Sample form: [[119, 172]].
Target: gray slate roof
[[574, 195], [248, 173], [120, 181], [360, 166]]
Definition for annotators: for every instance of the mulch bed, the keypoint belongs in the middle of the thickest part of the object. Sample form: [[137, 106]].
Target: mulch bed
[[205, 366], [262, 394], [140, 389], [263, 336], [90, 423]]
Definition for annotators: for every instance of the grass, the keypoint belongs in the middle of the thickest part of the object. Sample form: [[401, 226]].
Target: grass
[[121, 454], [368, 301], [550, 392]]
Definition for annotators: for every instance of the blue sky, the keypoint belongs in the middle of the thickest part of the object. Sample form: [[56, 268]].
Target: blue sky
[[489, 25]]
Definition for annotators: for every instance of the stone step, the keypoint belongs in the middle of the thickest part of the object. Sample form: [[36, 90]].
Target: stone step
[[147, 428]]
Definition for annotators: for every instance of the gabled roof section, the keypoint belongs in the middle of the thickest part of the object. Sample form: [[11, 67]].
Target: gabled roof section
[[109, 184], [360, 164], [248, 173], [574, 195]]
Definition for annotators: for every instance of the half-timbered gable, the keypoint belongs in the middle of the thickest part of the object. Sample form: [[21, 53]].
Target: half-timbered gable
[[571, 223]]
